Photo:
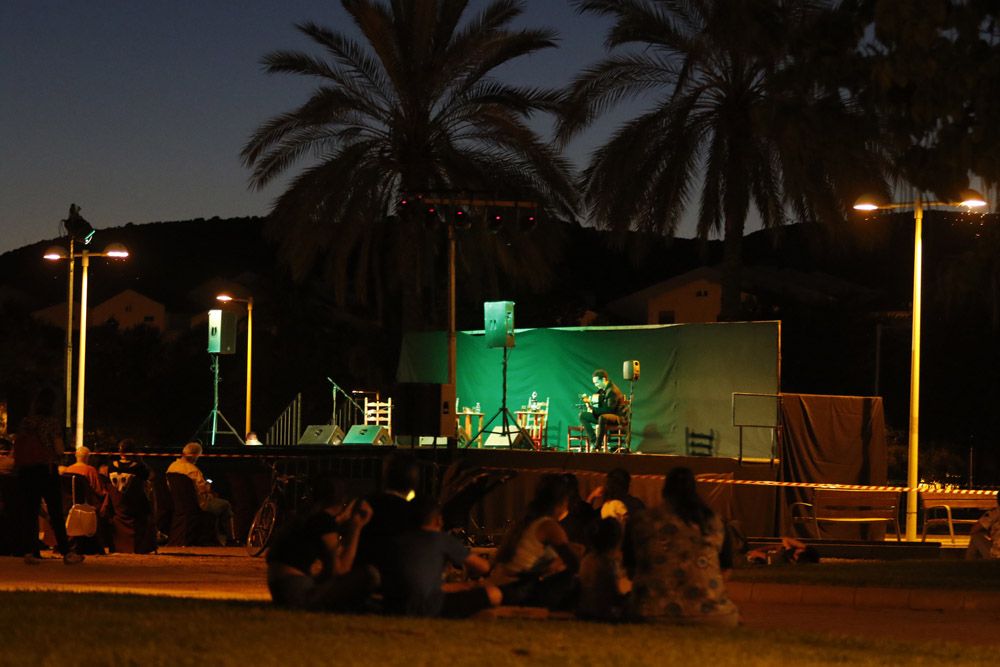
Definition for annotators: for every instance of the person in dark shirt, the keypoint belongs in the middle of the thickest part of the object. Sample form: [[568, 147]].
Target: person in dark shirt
[[413, 585], [607, 410], [328, 536], [580, 514], [391, 510]]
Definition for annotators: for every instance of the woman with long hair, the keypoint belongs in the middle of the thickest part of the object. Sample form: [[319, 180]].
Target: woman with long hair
[[535, 564], [677, 544]]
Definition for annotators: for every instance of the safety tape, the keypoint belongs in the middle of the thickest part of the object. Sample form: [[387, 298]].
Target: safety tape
[[708, 479]]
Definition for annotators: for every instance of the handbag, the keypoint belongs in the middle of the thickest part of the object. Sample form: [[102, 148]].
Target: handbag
[[81, 521]]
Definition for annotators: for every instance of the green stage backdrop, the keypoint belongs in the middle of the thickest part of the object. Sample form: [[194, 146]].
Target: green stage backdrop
[[688, 375]]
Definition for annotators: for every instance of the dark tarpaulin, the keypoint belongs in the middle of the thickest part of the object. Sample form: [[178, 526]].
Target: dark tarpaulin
[[831, 440]]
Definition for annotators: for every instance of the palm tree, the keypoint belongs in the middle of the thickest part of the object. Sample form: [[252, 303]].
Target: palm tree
[[745, 103], [411, 108]]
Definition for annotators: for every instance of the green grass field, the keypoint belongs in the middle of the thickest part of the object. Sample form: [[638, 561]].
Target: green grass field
[[939, 574], [67, 629]]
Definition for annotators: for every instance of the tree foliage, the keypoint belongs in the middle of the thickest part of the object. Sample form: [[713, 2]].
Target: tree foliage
[[412, 107], [745, 104]]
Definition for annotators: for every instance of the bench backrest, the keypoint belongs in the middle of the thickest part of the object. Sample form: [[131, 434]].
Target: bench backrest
[[956, 500], [839, 503]]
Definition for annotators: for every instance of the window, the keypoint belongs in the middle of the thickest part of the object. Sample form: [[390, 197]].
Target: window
[[128, 309], [666, 317], [149, 318], [701, 293]]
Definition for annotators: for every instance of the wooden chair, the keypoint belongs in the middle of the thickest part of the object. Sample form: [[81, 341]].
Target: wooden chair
[[699, 444], [536, 423], [190, 526], [940, 508], [617, 437], [379, 413], [577, 440]]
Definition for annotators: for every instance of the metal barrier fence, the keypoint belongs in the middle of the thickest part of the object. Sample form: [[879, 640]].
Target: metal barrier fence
[[288, 425]]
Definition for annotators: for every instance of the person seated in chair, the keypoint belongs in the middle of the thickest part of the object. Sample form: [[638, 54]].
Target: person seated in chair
[[126, 470], [208, 501], [606, 408], [83, 468]]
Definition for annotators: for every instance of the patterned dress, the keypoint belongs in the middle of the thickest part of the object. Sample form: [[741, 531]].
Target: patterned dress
[[677, 575]]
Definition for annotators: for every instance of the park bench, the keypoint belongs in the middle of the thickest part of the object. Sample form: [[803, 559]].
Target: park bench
[[847, 506], [940, 506]]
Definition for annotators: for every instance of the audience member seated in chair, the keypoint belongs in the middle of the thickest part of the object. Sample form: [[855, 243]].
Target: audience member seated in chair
[[327, 534], [413, 585], [133, 530], [83, 467], [76, 490], [207, 501]]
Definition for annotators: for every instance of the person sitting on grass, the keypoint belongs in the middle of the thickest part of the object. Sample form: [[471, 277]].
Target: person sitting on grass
[[326, 538], [790, 552], [603, 585], [413, 585], [984, 538], [678, 578], [536, 563]]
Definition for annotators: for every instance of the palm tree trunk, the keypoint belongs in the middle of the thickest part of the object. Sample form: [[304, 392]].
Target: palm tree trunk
[[732, 265]]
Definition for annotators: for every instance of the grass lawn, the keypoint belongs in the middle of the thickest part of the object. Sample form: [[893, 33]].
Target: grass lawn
[[949, 574], [92, 629]]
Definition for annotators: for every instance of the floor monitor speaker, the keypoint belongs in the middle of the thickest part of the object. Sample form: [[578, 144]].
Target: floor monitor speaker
[[321, 434], [499, 438], [367, 434]]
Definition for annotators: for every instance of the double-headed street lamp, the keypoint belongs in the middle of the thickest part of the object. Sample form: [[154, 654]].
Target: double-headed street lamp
[[114, 250], [969, 199], [226, 298]]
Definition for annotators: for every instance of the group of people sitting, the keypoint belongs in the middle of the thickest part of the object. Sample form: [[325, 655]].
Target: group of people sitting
[[607, 557]]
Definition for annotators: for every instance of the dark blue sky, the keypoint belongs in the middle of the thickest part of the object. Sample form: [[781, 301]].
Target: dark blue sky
[[137, 111]]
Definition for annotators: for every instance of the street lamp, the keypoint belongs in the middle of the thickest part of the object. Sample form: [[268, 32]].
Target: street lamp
[[116, 251], [226, 298], [969, 199]]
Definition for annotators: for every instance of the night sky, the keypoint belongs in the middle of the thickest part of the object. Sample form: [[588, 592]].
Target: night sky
[[137, 111]]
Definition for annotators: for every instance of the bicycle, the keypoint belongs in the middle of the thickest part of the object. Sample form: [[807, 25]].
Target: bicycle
[[282, 500]]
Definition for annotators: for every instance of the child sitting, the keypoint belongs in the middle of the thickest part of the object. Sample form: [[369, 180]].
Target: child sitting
[[603, 584], [413, 584]]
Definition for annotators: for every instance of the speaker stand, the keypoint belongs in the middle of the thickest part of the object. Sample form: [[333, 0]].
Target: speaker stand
[[215, 415], [507, 419]]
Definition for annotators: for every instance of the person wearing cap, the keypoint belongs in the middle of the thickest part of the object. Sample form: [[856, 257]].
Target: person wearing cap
[[208, 501]]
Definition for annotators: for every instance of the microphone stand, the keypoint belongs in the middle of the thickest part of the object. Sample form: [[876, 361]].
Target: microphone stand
[[333, 395]]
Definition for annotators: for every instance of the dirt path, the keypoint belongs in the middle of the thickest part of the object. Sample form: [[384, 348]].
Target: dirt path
[[178, 572]]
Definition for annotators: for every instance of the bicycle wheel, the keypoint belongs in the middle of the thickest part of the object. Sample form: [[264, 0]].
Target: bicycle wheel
[[262, 527]]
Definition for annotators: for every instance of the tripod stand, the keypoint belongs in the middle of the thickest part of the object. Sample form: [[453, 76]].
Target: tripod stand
[[507, 419], [215, 415]]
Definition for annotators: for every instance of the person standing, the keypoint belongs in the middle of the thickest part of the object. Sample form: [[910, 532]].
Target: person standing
[[37, 449], [606, 408]]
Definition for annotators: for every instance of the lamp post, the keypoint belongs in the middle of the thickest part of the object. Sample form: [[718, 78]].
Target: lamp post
[[226, 298], [969, 199], [117, 251]]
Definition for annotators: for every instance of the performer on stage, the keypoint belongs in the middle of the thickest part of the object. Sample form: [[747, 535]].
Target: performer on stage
[[604, 408]]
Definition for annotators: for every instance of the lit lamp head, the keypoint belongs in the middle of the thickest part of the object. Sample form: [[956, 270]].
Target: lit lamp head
[[971, 199], [869, 202], [55, 253], [116, 250], [225, 298]]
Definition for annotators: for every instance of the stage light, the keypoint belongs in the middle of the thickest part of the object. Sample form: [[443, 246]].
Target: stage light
[[526, 220], [461, 218], [494, 221], [431, 217]]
